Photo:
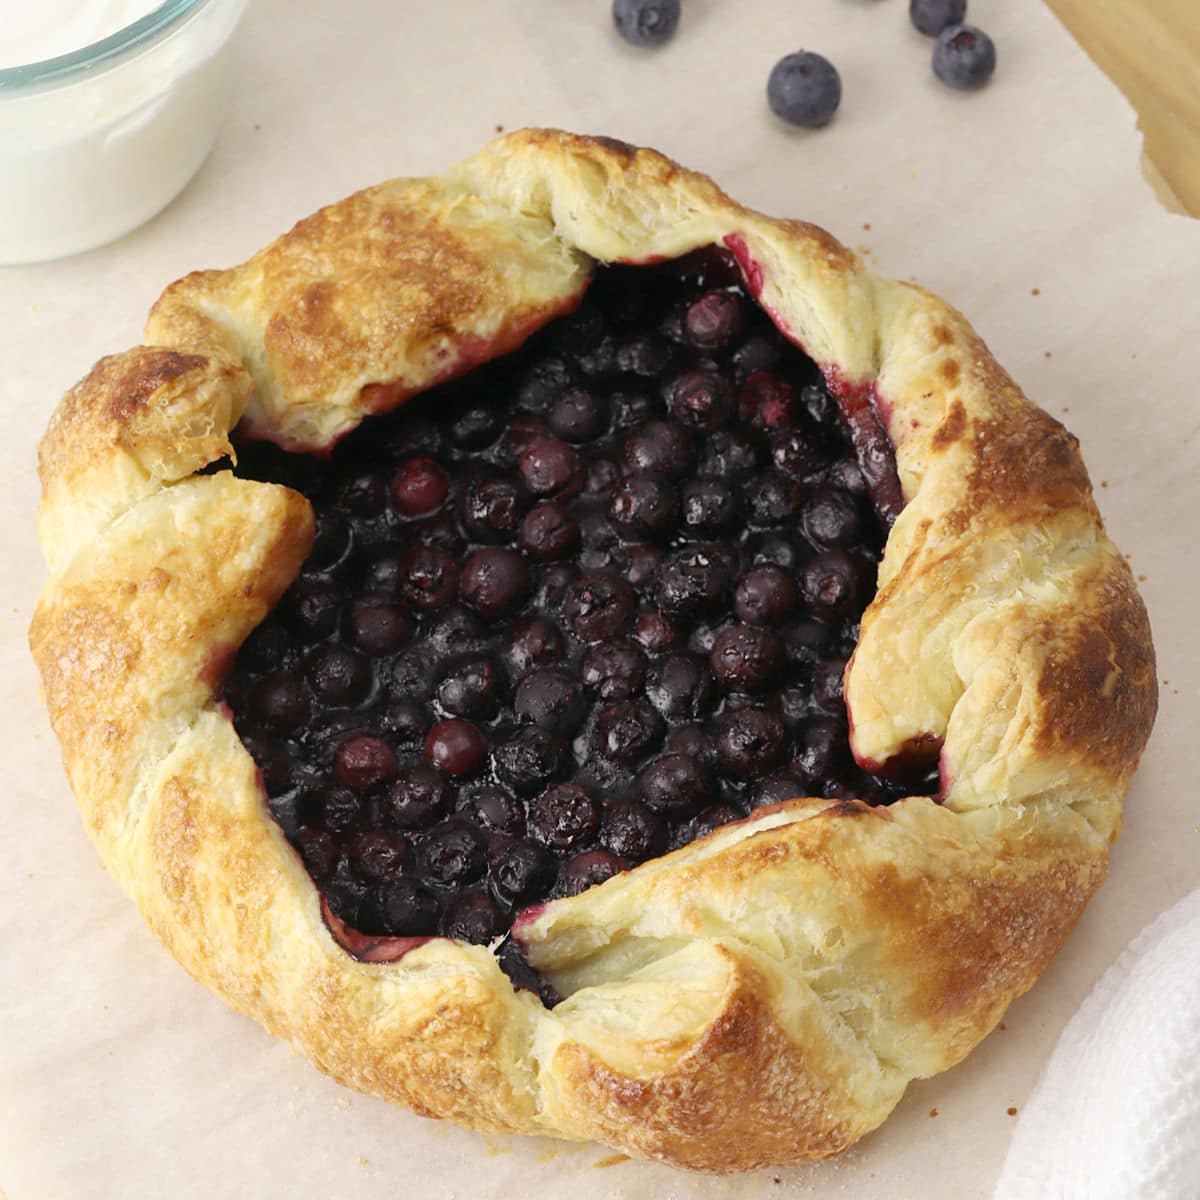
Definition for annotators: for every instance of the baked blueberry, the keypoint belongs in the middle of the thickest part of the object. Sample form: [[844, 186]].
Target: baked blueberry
[[751, 742], [746, 658], [633, 832], [495, 808], [428, 578], [456, 747], [403, 906], [709, 508], [363, 493], [766, 595], [832, 518], [552, 700], [319, 850], [376, 624], [361, 762], [822, 751], [472, 687], [337, 675], [656, 633], [531, 642], [578, 416], [676, 785], [645, 507], [587, 869], [331, 540], [761, 351], [828, 688], [663, 446], [642, 562], [375, 855], [474, 425], [681, 688], [796, 452], [474, 917], [804, 89], [452, 854], [280, 702], [692, 582], [563, 817], [772, 499], [521, 873], [730, 455], [598, 606], [616, 670], [702, 400], [628, 730], [964, 57], [548, 466], [548, 533], [778, 789], [495, 581], [420, 486], [531, 759], [491, 506], [416, 799], [310, 609], [834, 585], [713, 320]]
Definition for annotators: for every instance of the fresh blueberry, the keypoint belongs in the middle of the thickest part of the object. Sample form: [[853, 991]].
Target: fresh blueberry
[[930, 17], [964, 57], [804, 89], [645, 22]]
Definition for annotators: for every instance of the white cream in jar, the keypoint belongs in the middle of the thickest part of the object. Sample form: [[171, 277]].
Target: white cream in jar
[[107, 108]]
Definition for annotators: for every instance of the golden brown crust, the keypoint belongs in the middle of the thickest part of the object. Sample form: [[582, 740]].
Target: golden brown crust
[[761, 996]]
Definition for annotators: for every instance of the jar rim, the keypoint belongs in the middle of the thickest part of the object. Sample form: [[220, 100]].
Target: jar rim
[[101, 55]]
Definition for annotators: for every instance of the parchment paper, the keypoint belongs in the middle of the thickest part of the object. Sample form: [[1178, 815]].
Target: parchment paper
[[120, 1076]]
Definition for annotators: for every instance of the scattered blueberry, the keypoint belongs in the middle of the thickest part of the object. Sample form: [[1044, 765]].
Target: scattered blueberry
[[930, 17], [964, 57], [645, 22], [804, 89]]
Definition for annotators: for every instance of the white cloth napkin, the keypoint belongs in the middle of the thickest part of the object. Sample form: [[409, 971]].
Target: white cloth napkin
[[1116, 1112]]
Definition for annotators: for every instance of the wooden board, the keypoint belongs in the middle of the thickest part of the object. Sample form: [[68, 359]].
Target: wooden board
[[1151, 50]]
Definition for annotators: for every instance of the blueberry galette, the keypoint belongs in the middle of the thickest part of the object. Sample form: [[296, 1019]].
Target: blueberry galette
[[575, 656]]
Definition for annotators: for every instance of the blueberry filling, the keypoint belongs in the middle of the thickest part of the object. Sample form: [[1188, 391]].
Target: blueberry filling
[[586, 604]]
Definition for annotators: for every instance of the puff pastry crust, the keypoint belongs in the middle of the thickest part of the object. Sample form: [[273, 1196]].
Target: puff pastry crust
[[760, 996]]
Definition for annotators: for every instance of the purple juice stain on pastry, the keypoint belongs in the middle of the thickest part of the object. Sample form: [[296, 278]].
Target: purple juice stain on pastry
[[581, 606]]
